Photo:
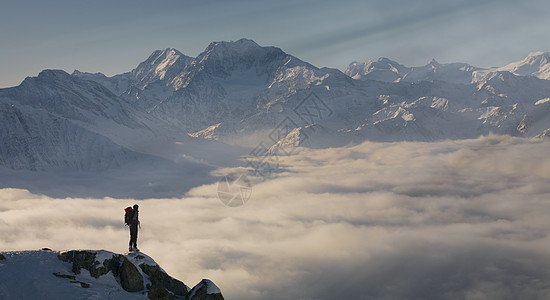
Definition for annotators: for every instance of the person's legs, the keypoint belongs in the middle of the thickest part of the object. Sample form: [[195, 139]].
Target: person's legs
[[136, 238], [133, 236]]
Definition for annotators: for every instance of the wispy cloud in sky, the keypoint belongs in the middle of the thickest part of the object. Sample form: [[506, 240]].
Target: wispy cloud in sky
[[113, 37], [386, 18], [446, 220]]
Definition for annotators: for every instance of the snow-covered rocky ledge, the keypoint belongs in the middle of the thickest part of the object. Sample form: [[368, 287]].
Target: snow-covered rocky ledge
[[91, 274]]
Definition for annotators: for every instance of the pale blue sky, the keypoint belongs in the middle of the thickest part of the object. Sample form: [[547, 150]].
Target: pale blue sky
[[114, 36]]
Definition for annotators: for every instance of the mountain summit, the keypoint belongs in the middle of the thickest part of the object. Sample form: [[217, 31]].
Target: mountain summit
[[161, 64]]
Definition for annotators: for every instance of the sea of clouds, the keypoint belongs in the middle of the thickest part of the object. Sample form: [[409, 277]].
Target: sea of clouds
[[445, 220]]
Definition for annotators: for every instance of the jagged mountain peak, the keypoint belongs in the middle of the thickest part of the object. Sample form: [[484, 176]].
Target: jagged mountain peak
[[385, 63], [382, 69], [220, 59], [240, 46], [167, 52], [434, 62], [53, 74], [243, 42], [379, 61], [52, 79], [539, 54], [163, 55], [243, 48], [535, 64], [160, 64], [387, 70], [81, 74]]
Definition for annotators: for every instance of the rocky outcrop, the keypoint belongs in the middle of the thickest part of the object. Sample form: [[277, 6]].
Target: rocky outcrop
[[71, 277], [205, 290], [160, 294], [80, 260], [545, 134], [160, 280], [135, 273], [87, 260], [87, 274], [130, 277]]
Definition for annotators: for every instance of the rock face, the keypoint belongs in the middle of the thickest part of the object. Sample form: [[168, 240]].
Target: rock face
[[87, 260], [130, 277], [160, 294], [205, 290], [160, 280]]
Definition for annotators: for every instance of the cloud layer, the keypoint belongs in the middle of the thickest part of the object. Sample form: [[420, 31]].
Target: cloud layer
[[447, 220]]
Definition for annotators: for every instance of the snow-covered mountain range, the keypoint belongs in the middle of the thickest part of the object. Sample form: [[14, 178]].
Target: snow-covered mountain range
[[87, 274], [383, 69], [236, 95]]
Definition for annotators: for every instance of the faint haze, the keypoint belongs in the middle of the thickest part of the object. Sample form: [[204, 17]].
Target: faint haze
[[113, 37]]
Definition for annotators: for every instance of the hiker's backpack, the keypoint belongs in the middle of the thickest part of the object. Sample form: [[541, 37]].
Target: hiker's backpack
[[128, 214]]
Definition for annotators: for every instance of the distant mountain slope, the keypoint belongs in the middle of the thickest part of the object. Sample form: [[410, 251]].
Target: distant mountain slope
[[116, 84], [535, 64], [88, 274], [387, 70], [69, 96], [77, 138], [34, 139], [57, 121]]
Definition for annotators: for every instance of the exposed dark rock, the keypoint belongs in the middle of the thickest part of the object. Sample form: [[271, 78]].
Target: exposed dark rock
[[80, 259], [86, 260], [130, 277], [205, 290], [71, 277], [112, 265], [82, 284], [160, 294], [2, 257], [161, 285], [46, 249], [159, 279]]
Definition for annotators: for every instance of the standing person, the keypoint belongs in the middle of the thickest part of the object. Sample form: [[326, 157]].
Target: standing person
[[132, 220]]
